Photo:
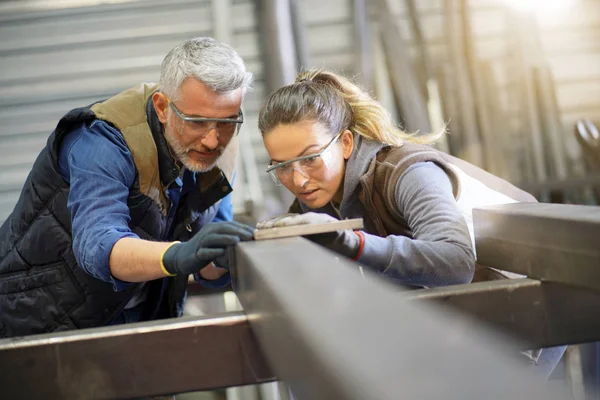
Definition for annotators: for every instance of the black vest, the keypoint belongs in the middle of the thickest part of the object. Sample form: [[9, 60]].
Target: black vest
[[42, 289]]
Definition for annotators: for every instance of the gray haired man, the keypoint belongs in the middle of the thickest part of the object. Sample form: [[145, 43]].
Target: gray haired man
[[129, 197]]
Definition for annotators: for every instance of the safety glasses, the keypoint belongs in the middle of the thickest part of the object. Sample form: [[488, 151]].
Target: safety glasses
[[306, 165], [226, 128]]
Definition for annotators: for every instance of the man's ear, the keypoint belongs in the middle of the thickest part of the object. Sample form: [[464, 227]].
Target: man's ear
[[161, 106], [347, 143]]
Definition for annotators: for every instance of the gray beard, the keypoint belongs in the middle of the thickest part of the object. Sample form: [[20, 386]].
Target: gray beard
[[181, 154]]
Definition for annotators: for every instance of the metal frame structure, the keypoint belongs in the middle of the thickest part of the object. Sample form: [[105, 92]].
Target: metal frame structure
[[331, 330], [535, 313], [550, 242], [132, 361]]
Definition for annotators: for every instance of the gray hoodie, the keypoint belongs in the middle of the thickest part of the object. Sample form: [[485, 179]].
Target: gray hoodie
[[439, 250]]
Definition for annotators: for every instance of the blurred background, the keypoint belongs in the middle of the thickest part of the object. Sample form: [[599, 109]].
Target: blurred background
[[511, 78], [516, 82]]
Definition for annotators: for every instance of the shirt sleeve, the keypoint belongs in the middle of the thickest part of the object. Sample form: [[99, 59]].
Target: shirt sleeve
[[440, 252], [99, 167]]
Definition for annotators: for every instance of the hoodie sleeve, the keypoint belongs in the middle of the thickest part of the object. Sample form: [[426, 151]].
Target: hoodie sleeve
[[440, 252]]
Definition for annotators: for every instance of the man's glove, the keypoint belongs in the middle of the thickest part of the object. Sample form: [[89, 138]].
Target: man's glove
[[345, 242], [209, 244]]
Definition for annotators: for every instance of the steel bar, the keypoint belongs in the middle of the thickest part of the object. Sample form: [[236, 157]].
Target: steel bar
[[278, 49], [491, 157], [363, 44], [406, 87], [569, 183], [132, 361], [303, 59], [539, 314], [472, 149], [550, 242], [331, 332], [277, 43], [549, 115]]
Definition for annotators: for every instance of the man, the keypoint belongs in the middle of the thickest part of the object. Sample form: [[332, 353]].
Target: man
[[123, 203]]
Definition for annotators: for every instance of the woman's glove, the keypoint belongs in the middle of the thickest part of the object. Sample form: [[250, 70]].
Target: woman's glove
[[345, 242]]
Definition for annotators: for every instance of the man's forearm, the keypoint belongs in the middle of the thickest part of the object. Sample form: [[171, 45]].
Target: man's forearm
[[137, 260]]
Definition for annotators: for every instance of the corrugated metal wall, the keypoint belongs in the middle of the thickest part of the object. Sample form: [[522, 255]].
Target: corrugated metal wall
[[51, 61], [55, 60], [569, 39]]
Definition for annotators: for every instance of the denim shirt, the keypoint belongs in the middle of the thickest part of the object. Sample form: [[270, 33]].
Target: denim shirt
[[99, 168]]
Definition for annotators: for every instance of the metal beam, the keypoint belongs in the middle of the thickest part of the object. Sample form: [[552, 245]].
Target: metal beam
[[569, 183], [539, 314], [277, 43], [406, 86], [550, 242], [278, 50], [131, 361], [331, 332], [363, 44]]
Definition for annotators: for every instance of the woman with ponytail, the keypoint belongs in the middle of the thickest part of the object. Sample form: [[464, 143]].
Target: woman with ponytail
[[338, 151]]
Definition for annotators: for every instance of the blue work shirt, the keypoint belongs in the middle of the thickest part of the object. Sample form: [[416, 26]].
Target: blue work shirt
[[99, 168]]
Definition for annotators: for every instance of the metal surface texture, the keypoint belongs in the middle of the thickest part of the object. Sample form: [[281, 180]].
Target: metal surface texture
[[550, 242], [331, 332], [133, 361], [538, 314]]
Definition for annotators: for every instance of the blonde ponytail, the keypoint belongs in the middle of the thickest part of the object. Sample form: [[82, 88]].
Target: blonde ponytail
[[337, 103]]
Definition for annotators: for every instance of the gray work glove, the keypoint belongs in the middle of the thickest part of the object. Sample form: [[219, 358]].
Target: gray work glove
[[345, 242], [270, 223], [209, 244]]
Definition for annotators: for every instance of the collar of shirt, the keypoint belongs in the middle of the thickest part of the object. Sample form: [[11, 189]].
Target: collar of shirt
[[167, 165]]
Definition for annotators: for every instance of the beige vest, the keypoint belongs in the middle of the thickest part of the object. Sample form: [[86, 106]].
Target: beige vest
[[127, 112]]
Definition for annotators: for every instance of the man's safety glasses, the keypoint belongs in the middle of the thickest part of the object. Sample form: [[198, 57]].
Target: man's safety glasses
[[226, 128]]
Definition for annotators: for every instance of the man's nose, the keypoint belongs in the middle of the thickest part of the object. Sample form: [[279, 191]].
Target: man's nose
[[211, 139]]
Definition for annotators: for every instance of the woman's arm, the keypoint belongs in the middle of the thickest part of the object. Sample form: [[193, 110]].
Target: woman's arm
[[440, 252]]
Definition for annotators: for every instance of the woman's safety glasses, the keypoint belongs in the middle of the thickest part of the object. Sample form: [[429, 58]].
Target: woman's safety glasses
[[226, 128], [306, 165]]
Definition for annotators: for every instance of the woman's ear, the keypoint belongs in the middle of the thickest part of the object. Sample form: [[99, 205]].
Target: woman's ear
[[347, 143], [161, 106]]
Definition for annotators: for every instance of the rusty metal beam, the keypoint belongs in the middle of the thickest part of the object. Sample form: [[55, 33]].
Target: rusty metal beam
[[551, 242], [331, 332], [539, 314], [132, 361]]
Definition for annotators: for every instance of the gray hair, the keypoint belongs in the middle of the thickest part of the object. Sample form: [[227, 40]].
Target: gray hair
[[215, 64]]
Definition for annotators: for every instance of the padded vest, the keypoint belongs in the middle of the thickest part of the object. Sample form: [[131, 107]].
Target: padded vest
[[42, 289]]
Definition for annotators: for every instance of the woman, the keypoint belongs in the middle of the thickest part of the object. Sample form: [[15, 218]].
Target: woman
[[338, 151]]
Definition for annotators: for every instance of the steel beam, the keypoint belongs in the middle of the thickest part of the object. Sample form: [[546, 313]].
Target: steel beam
[[331, 332], [550, 242], [539, 314], [132, 361]]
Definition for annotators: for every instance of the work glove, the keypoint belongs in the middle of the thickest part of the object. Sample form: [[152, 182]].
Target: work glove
[[270, 223], [344, 242], [208, 245]]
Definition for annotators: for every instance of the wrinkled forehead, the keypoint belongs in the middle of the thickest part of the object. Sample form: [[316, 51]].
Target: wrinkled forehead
[[287, 141], [196, 99]]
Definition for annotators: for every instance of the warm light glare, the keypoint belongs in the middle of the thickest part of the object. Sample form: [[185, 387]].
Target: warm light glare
[[541, 7]]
